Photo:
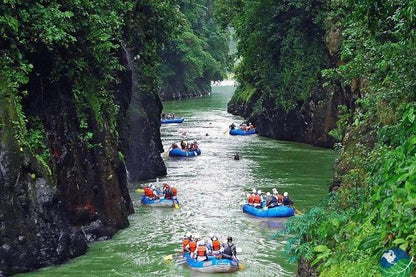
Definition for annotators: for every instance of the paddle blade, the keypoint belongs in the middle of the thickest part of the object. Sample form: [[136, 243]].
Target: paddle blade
[[140, 190], [177, 206], [240, 266], [168, 257]]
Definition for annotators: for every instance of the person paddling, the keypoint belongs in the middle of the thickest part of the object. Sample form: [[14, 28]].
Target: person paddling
[[230, 250]]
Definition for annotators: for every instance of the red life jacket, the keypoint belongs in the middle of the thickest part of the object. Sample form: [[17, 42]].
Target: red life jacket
[[257, 199], [251, 199], [148, 192], [279, 198], [202, 251], [216, 245], [185, 242], [174, 191], [192, 246]]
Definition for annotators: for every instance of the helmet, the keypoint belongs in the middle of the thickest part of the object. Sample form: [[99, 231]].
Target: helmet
[[188, 234], [201, 242], [211, 235], [254, 190], [274, 190], [259, 192], [285, 194], [197, 237], [268, 194], [229, 239]]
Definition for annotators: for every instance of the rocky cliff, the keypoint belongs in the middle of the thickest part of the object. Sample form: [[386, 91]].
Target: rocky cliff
[[311, 120]]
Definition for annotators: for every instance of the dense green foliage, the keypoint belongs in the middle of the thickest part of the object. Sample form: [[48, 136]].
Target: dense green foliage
[[198, 51], [374, 207], [281, 47]]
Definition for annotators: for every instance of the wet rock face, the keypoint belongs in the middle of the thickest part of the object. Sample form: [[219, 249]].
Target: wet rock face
[[34, 230], [140, 124], [49, 213]]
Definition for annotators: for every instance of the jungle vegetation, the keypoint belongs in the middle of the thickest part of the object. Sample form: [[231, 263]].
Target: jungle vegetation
[[371, 206]]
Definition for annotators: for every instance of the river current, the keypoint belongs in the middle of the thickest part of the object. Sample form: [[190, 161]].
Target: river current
[[210, 192]]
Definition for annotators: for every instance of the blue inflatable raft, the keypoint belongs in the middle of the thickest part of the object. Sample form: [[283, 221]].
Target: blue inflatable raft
[[240, 132], [212, 265], [158, 202], [279, 211], [182, 153], [173, 120]]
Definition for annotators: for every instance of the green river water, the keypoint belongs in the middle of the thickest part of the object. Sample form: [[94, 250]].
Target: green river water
[[210, 189]]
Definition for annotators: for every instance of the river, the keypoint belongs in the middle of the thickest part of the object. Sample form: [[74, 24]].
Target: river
[[210, 191]]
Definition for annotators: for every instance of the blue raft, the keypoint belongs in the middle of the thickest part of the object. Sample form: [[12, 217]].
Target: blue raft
[[240, 132], [182, 153], [157, 202], [279, 211], [212, 265], [173, 120]]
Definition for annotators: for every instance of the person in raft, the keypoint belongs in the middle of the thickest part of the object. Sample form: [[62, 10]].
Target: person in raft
[[258, 199], [169, 192], [150, 191], [187, 238], [286, 200], [192, 246], [251, 197], [201, 252], [230, 250], [214, 246]]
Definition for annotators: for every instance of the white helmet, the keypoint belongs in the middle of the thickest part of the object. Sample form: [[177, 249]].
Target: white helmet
[[254, 190], [211, 235], [259, 192], [197, 237], [285, 194], [201, 242], [268, 194], [188, 234], [274, 190]]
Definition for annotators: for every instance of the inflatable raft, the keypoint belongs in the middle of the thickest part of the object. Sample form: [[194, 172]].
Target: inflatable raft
[[240, 132], [157, 202], [279, 211], [182, 153], [212, 265], [173, 120]]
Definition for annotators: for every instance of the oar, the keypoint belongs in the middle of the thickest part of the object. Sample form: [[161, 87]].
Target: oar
[[176, 203], [297, 211], [240, 266], [140, 190], [172, 256]]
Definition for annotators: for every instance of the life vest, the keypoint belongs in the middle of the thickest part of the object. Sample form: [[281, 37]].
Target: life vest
[[202, 251], [279, 198], [185, 242], [228, 249], [216, 245], [148, 192], [174, 191], [251, 199], [192, 246], [257, 199]]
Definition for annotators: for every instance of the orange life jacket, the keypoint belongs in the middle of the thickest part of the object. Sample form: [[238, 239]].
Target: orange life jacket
[[216, 245], [148, 192], [251, 199], [185, 242], [279, 198], [202, 250], [174, 191], [257, 199], [192, 246]]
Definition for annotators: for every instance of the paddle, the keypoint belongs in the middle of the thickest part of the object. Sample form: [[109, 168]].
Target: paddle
[[140, 190], [297, 211], [172, 256], [176, 203]]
